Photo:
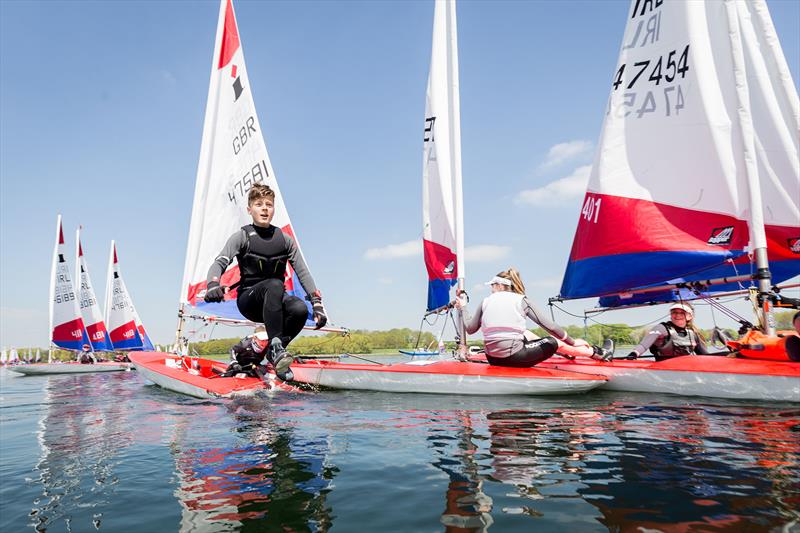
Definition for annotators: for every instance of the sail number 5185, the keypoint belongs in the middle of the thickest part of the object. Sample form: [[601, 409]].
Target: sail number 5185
[[591, 209]]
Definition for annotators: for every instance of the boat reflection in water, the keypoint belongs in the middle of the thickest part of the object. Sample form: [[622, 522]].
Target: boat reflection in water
[[661, 467], [270, 478], [81, 434]]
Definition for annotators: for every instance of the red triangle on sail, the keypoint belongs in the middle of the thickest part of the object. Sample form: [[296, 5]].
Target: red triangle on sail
[[230, 37], [60, 233]]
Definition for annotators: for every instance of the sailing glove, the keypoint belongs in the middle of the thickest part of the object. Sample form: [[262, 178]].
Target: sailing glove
[[319, 314], [214, 292]]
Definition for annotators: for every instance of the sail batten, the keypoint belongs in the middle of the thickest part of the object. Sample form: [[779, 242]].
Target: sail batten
[[697, 166]]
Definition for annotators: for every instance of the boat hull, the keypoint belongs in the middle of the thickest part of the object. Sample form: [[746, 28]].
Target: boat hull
[[41, 369], [172, 372], [696, 375], [444, 377]]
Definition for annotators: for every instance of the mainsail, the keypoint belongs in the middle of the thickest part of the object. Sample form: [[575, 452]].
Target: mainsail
[[66, 325], [442, 200], [119, 312], [90, 308], [233, 157], [697, 164]]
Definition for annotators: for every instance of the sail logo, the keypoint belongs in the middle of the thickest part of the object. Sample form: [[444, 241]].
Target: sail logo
[[721, 236], [237, 84], [794, 245], [450, 268]]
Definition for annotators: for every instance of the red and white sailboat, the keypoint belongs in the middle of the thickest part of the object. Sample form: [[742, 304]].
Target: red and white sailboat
[[224, 177], [695, 191], [67, 329]]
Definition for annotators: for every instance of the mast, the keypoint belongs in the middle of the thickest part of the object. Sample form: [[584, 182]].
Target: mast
[[455, 159], [758, 237]]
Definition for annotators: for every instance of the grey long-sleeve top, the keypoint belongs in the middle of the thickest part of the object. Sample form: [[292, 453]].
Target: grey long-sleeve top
[[237, 243], [508, 346]]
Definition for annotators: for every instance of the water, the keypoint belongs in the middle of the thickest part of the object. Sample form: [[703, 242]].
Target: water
[[108, 452]]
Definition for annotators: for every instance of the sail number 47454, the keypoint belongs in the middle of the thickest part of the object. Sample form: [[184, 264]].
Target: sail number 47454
[[591, 209]]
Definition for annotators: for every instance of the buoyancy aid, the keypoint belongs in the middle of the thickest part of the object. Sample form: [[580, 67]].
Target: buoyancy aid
[[502, 316], [264, 257], [678, 342]]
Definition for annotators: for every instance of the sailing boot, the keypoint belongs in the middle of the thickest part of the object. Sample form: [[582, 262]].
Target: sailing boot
[[605, 353], [281, 360]]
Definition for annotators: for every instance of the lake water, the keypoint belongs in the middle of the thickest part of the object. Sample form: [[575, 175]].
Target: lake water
[[109, 452]]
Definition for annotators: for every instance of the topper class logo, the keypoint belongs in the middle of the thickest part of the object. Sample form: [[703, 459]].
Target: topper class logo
[[721, 236], [794, 245]]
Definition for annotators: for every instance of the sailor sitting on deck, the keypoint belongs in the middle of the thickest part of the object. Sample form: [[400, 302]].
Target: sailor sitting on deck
[[674, 338], [86, 357], [501, 318], [247, 354], [262, 251]]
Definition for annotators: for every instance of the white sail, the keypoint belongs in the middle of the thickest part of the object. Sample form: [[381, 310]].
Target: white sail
[[697, 164], [38, 355], [3, 356], [66, 325], [442, 199], [233, 157], [90, 308], [119, 313]]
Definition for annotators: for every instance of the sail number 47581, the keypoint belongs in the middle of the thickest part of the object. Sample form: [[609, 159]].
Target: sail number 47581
[[591, 209]]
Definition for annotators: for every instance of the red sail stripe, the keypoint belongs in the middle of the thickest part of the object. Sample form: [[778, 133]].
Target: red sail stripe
[[230, 37]]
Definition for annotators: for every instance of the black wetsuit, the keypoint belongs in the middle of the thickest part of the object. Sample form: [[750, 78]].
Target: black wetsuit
[[262, 254]]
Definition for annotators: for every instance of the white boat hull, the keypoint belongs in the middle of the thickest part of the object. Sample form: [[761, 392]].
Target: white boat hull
[[439, 378], [40, 369], [715, 377]]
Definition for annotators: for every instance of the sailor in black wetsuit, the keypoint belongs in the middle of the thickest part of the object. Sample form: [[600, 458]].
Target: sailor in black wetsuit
[[262, 251]]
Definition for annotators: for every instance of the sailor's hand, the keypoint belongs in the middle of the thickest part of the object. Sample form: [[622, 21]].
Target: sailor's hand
[[631, 356], [461, 300], [580, 343], [319, 314], [214, 292]]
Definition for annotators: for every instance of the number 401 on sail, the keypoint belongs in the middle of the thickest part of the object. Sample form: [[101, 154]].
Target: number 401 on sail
[[591, 209]]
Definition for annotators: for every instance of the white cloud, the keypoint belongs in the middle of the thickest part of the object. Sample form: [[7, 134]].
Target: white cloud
[[559, 192], [563, 152], [393, 251], [485, 252]]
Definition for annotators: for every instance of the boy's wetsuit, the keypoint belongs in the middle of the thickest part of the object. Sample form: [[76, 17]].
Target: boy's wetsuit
[[262, 254]]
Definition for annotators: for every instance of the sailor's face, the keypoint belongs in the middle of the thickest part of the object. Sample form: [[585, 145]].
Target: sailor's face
[[678, 317], [262, 211]]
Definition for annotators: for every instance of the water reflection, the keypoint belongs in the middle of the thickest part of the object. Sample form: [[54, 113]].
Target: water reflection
[[80, 434], [268, 479], [660, 467], [456, 451]]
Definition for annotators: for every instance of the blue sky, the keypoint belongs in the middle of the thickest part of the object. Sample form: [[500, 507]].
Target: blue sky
[[101, 114]]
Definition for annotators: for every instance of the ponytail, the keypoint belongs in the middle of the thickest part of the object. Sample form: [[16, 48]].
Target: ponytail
[[516, 281]]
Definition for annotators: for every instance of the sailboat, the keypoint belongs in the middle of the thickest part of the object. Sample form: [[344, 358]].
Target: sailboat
[[224, 177], [126, 329], [443, 245], [3, 356], [90, 309], [694, 191], [67, 329]]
